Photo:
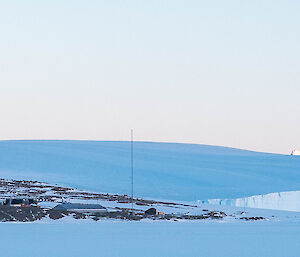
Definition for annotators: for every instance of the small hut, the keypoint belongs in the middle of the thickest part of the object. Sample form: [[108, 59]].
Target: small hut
[[19, 201], [151, 211]]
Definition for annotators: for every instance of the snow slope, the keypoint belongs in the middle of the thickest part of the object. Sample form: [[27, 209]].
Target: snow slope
[[162, 170]]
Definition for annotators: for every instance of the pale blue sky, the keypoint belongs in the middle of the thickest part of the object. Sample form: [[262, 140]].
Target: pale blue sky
[[212, 72]]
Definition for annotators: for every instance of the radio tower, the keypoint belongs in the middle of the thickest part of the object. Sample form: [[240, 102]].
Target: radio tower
[[132, 170]]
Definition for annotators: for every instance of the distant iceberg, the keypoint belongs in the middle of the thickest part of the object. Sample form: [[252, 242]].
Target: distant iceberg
[[296, 152], [287, 201]]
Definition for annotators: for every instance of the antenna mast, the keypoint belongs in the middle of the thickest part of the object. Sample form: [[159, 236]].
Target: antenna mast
[[132, 169]]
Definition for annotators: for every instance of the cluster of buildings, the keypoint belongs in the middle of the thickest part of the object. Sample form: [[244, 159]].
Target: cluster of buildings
[[71, 207], [75, 207]]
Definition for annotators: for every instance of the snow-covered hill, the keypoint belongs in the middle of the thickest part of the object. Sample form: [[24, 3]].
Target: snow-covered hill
[[162, 170]]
